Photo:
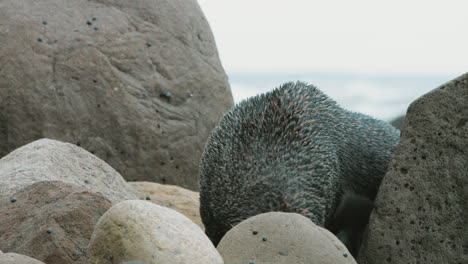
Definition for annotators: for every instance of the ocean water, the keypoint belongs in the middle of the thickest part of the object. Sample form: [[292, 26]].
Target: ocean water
[[382, 96]]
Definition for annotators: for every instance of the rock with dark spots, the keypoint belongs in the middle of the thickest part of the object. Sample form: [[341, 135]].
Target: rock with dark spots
[[177, 198], [50, 160], [281, 238], [14, 258], [421, 210], [46, 88], [140, 231], [52, 221]]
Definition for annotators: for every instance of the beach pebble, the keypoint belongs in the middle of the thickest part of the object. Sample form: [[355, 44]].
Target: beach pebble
[[51, 221], [285, 238], [140, 231], [50, 160]]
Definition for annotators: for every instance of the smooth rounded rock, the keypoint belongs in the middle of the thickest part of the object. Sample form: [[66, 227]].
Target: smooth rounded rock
[[52, 160], [14, 258], [52, 221], [279, 238], [184, 201], [140, 231]]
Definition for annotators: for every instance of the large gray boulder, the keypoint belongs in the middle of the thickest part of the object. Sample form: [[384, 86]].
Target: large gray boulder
[[421, 211], [138, 83], [51, 160]]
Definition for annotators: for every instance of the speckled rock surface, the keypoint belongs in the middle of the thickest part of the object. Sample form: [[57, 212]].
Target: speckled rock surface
[[138, 83], [282, 238], [421, 212], [141, 231], [14, 258], [182, 200], [51, 221], [49, 160]]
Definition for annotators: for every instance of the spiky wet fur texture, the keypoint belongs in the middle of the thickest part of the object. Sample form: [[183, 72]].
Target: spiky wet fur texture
[[292, 150]]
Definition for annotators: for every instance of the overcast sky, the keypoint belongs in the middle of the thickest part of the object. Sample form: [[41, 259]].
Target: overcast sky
[[363, 36]]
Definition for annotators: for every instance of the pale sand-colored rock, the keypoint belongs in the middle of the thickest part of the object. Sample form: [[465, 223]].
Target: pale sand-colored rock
[[282, 238], [14, 258], [184, 201], [51, 160], [146, 232]]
